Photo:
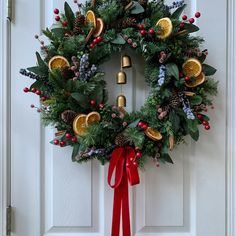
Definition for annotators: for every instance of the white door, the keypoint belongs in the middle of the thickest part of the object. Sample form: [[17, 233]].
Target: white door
[[53, 196]]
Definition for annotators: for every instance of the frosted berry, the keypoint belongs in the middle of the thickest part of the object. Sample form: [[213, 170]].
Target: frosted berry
[[56, 11], [57, 18], [36, 36], [56, 142], [101, 105], [26, 90], [130, 41], [191, 20], [184, 17], [197, 14]]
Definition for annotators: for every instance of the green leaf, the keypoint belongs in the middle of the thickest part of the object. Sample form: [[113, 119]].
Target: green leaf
[[136, 8], [194, 135], [167, 158], [40, 61], [192, 125], [208, 70], [75, 152], [38, 85], [38, 71], [191, 28], [195, 100], [69, 15], [172, 70], [81, 98], [175, 120], [178, 12], [118, 40], [134, 124]]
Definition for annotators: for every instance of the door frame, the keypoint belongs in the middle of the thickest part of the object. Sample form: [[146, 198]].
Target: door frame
[[5, 114]]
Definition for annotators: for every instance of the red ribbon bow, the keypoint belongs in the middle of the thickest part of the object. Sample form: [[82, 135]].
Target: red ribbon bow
[[123, 161]]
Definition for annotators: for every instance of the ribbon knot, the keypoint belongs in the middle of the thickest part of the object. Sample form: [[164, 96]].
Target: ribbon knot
[[126, 170]]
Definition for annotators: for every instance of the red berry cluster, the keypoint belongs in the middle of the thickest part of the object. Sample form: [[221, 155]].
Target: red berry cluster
[[204, 122], [62, 143], [96, 41], [143, 125], [133, 161], [37, 92], [58, 18], [190, 20], [144, 32], [130, 41]]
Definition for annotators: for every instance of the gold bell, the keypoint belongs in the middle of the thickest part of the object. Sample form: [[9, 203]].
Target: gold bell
[[121, 101], [126, 61], [121, 78]]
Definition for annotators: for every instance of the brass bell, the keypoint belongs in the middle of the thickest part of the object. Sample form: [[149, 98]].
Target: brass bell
[[121, 78], [126, 61], [121, 101]]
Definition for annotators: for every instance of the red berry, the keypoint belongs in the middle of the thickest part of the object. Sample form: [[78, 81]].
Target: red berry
[[184, 17], [43, 99], [32, 106], [141, 124], [191, 20], [38, 92], [95, 41], [62, 143], [205, 123], [56, 142], [197, 14], [199, 116], [141, 26], [145, 126], [137, 149], [33, 90], [26, 90], [181, 74], [187, 78], [151, 31], [207, 127], [135, 163], [56, 11], [92, 45], [68, 135], [138, 154], [57, 18], [92, 102], [181, 25], [74, 139], [143, 32], [65, 23], [99, 39]]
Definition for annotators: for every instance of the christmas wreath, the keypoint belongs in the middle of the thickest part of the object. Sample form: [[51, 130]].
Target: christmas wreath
[[73, 93], [71, 86]]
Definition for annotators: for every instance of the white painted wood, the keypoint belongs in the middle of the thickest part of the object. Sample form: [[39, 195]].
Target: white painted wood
[[53, 196]]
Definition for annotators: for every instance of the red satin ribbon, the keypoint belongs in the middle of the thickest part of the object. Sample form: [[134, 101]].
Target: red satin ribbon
[[122, 162]]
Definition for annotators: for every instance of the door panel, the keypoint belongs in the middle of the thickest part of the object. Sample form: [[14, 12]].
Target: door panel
[[53, 196]]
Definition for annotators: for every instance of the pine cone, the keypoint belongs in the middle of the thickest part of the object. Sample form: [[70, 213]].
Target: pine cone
[[78, 23], [174, 101], [121, 140], [128, 22], [68, 116]]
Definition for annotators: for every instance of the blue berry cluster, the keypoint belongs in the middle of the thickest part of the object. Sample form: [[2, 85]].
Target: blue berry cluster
[[162, 74], [186, 107], [175, 4], [85, 72]]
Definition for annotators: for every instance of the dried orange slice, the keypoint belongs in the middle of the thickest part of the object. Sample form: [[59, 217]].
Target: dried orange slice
[[92, 118], [192, 67], [79, 125], [197, 81], [153, 134], [99, 28], [58, 62], [91, 18], [166, 27]]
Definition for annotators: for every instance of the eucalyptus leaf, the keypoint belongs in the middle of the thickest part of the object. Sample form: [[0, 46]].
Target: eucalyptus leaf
[[136, 8], [172, 70], [69, 15], [41, 63], [134, 124], [191, 28], [81, 98], [118, 40], [194, 135]]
